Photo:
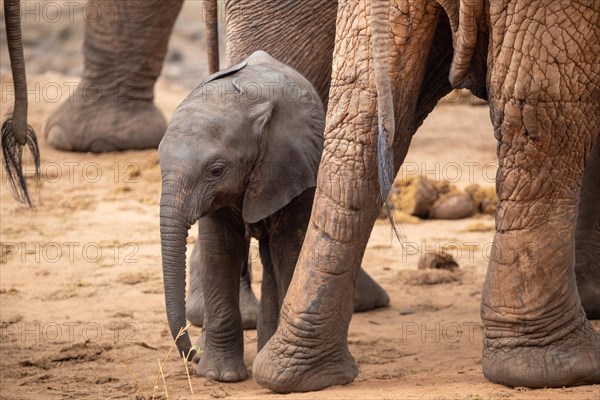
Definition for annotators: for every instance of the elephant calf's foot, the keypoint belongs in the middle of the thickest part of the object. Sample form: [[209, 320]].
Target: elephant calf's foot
[[215, 366], [286, 366], [573, 360], [368, 295], [105, 124]]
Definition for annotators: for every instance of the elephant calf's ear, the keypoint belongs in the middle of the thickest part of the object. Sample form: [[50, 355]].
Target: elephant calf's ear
[[291, 143], [225, 72]]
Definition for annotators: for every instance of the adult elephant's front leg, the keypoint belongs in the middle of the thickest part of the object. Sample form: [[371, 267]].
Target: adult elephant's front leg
[[309, 350], [223, 251], [113, 106], [546, 116]]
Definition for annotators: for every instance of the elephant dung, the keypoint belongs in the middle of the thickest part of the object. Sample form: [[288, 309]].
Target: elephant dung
[[415, 196], [453, 205], [484, 200], [441, 260], [426, 194], [423, 198]]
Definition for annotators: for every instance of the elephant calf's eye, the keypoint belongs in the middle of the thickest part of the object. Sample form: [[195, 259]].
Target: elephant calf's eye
[[216, 170]]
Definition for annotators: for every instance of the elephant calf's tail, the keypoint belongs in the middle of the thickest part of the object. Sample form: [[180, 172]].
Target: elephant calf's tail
[[381, 43]]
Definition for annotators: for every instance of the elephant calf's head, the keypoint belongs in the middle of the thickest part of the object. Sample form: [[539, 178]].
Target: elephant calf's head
[[249, 137]]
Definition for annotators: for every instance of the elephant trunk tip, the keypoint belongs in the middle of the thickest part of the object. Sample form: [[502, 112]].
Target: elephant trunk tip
[[13, 142], [184, 345]]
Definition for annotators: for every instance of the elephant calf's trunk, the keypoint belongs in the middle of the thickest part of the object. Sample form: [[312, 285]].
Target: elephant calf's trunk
[[173, 234]]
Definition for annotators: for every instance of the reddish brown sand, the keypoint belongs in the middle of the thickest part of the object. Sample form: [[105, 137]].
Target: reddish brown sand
[[81, 287]]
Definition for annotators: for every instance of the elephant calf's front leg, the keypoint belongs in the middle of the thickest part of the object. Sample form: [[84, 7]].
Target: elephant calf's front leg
[[222, 253]]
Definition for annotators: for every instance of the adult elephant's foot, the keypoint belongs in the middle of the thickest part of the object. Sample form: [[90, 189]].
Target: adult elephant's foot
[[368, 295], [536, 333], [84, 123], [571, 360], [297, 359], [112, 108], [309, 349]]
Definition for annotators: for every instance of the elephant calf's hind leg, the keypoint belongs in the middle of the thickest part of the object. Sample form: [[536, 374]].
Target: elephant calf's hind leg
[[194, 310]]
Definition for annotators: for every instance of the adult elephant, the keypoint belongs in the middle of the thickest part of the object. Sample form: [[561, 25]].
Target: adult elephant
[[125, 46], [538, 63]]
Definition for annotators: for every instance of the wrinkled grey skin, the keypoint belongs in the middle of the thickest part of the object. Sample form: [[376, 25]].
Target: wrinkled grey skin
[[241, 155], [538, 64]]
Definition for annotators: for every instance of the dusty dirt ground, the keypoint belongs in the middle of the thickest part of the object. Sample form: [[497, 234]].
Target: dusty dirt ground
[[81, 299]]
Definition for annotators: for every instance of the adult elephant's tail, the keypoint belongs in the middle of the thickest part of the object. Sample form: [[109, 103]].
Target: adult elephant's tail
[[211, 33], [16, 133], [381, 42]]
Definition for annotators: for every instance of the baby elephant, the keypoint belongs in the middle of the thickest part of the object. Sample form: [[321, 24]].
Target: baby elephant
[[240, 155]]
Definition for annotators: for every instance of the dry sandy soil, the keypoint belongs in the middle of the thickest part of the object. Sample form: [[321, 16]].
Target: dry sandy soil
[[81, 298]]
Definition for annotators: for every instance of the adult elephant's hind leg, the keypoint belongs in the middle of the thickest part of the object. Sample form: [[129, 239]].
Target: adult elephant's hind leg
[[112, 108], [546, 116], [587, 237]]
